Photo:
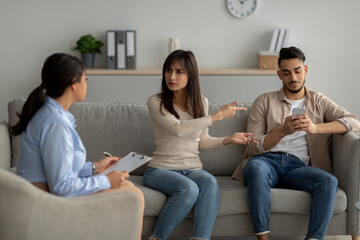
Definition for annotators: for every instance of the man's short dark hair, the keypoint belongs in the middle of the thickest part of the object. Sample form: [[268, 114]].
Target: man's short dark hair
[[289, 53]]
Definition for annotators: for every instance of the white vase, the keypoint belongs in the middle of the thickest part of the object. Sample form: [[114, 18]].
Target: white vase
[[174, 44]]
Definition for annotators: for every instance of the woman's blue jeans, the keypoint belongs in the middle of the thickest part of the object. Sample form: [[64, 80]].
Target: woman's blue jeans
[[271, 170], [185, 189]]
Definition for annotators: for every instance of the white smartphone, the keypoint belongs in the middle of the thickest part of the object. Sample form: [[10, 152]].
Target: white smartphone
[[298, 111]]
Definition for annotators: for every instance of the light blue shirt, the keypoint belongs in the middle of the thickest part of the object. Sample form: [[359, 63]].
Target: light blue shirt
[[51, 151]]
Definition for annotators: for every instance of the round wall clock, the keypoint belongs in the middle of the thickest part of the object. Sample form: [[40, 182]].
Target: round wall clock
[[241, 8]]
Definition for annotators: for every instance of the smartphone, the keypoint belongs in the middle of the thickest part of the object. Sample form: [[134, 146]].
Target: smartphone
[[298, 111]]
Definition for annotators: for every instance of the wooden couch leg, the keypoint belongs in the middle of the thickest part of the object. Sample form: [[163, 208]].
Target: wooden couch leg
[[355, 237]]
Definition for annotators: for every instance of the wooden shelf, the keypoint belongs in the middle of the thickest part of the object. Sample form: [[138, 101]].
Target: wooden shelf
[[223, 71]]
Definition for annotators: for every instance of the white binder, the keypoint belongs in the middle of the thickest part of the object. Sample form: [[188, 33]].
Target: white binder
[[120, 50], [111, 49], [130, 49]]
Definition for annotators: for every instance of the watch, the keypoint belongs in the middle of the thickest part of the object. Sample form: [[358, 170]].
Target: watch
[[93, 169], [241, 8]]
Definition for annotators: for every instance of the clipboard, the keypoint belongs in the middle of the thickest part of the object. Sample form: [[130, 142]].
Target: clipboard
[[129, 163]]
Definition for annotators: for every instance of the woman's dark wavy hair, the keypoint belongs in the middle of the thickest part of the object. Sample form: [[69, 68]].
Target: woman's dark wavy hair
[[193, 95], [57, 74]]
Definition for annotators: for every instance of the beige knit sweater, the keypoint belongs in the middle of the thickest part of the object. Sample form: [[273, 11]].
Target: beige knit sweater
[[178, 140]]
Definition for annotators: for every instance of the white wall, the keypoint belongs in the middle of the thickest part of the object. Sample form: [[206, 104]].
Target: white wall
[[327, 30]]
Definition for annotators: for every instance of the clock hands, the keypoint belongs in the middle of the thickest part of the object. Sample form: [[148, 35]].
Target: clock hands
[[242, 1]]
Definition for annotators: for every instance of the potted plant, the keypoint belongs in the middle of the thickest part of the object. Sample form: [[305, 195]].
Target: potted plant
[[88, 46]]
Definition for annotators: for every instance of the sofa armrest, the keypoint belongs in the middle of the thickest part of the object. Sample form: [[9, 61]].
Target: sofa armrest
[[346, 167], [28, 212], [5, 146]]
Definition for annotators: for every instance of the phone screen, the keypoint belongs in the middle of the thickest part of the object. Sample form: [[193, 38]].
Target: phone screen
[[298, 111]]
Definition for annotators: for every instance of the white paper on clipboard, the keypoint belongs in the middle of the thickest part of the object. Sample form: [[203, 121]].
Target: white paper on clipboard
[[129, 163]]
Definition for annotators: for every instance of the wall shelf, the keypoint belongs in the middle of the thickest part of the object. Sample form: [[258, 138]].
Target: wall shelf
[[222, 71]]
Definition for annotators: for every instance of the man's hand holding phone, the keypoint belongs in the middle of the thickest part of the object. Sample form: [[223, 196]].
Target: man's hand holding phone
[[298, 111], [301, 122]]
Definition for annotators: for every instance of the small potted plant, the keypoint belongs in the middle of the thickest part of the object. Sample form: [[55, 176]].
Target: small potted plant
[[88, 46]]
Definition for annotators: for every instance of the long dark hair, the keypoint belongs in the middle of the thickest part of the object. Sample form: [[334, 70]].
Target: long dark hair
[[193, 95], [57, 74]]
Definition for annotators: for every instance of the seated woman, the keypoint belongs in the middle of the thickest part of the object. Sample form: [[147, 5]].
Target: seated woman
[[52, 156], [180, 119]]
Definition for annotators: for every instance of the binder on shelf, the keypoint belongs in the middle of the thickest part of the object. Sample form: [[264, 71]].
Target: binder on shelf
[[120, 50], [128, 163], [131, 49], [111, 49], [274, 40], [279, 43]]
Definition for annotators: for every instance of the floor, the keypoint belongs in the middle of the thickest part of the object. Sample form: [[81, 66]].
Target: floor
[[272, 238]]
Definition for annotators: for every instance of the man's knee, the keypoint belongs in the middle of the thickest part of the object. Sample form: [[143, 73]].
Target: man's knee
[[330, 182], [257, 170]]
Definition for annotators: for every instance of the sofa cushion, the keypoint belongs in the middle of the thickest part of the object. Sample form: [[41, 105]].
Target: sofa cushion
[[233, 199], [223, 161], [114, 128], [122, 128]]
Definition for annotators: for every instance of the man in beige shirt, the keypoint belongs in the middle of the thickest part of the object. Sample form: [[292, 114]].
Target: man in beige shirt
[[293, 152]]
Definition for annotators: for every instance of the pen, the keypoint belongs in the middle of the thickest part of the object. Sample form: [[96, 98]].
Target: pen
[[107, 154]]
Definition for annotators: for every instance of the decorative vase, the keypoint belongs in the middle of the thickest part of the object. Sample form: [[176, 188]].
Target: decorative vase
[[88, 59], [174, 44]]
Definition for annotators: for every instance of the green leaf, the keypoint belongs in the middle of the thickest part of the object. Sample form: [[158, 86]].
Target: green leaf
[[88, 44]]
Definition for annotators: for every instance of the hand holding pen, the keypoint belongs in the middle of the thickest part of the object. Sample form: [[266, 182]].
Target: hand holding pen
[[106, 162], [116, 178]]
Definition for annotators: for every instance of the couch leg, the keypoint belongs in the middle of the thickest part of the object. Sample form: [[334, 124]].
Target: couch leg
[[355, 237]]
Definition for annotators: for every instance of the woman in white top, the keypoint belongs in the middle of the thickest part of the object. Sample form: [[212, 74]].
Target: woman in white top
[[180, 119]]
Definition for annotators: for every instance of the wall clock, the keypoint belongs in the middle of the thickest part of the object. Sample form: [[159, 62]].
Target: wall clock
[[241, 8]]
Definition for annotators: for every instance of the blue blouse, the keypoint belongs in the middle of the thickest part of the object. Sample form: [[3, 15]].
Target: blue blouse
[[51, 151]]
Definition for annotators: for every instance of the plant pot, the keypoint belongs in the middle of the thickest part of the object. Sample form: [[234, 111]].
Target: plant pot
[[88, 59]]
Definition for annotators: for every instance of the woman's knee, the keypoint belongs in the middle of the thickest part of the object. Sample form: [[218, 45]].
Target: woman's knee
[[209, 183], [189, 192]]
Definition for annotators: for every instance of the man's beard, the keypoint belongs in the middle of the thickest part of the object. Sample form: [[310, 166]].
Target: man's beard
[[297, 90]]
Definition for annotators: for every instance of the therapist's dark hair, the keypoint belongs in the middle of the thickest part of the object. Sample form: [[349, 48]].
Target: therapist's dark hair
[[289, 53], [193, 95], [58, 72]]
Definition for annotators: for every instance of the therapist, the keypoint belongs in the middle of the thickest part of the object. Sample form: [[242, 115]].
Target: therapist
[[52, 156]]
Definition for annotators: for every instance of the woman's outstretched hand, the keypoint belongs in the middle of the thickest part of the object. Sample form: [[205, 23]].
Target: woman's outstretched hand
[[227, 111], [240, 138]]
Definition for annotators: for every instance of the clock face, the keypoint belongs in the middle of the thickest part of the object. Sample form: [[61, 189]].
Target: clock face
[[241, 8]]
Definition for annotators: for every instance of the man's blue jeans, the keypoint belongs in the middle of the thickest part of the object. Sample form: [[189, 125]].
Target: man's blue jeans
[[185, 189], [270, 170]]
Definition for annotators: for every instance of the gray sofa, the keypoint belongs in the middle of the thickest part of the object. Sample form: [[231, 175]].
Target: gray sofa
[[121, 128]]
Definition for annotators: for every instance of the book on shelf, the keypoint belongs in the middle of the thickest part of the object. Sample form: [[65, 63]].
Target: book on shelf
[[279, 39], [286, 38], [274, 39]]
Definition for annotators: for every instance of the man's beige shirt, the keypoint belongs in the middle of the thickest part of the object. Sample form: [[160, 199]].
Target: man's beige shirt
[[269, 111]]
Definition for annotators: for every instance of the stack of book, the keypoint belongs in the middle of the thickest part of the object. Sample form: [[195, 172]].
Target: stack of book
[[121, 47], [268, 59], [279, 39]]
